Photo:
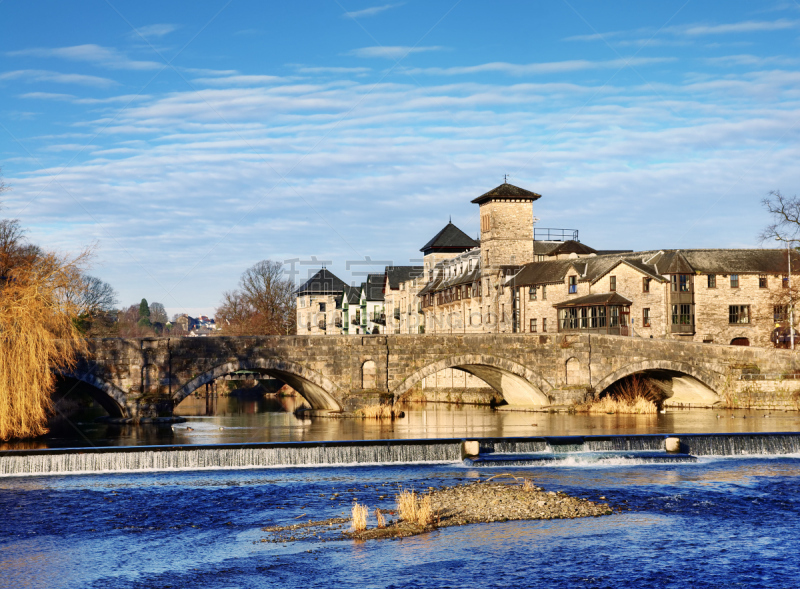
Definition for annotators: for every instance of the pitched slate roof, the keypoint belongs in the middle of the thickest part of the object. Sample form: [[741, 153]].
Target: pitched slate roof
[[374, 287], [506, 190], [352, 294], [323, 282], [449, 239], [602, 298], [398, 274], [571, 247]]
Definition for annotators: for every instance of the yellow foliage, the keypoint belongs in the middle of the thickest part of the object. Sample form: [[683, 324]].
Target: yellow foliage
[[37, 337], [359, 517]]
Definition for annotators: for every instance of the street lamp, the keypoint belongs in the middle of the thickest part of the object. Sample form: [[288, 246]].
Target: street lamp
[[789, 284]]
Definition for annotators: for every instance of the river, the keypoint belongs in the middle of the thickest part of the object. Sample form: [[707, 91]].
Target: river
[[228, 419], [720, 522]]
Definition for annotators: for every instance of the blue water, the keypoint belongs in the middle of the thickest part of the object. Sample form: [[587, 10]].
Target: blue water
[[714, 523]]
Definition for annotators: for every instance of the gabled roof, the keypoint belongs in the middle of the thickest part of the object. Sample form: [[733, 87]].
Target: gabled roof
[[352, 295], [603, 298], [571, 247], [506, 190], [449, 239], [323, 282], [374, 287], [398, 274]]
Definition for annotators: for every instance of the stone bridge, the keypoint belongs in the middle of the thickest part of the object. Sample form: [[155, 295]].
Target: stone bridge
[[149, 376]]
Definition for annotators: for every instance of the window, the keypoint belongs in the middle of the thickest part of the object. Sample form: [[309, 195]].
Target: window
[[645, 284], [785, 282], [544, 297], [681, 314], [612, 283], [322, 307], [646, 317], [780, 313], [540, 258], [680, 283], [762, 281], [739, 314], [712, 281], [734, 281], [544, 324], [533, 325], [573, 284], [532, 293]]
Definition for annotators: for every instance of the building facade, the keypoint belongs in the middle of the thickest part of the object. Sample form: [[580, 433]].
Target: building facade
[[517, 280]]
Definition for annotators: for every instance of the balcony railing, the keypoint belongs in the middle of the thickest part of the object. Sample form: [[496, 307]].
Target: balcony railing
[[379, 318], [337, 322], [397, 313], [321, 324]]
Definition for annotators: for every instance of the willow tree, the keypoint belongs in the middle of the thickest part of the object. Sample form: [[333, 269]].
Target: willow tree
[[38, 336]]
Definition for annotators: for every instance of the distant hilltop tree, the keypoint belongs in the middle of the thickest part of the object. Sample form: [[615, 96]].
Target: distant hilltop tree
[[263, 303]]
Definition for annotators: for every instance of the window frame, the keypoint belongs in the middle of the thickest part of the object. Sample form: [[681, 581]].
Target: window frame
[[739, 315], [762, 281], [734, 278], [612, 283], [532, 326], [532, 292], [544, 324], [646, 317], [646, 284], [572, 286], [712, 281]]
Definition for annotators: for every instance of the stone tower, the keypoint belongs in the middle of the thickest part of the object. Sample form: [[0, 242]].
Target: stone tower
[[506, 227]]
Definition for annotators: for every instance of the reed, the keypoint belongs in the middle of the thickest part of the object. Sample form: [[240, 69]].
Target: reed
[[380, 518], [378, 412], [359, 514], [633, 395], [528, 486], [407, 505], [425, 512]]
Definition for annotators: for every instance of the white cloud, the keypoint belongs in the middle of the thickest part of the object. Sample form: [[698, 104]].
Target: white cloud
[[371, 11], [333, 70], [50, 76], [393, 52], [754, 60], [157, 30], [749, 26], [239, 80], [540, 68], [90, 53]]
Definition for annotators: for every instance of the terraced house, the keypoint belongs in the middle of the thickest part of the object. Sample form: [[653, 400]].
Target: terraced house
[[515, 279]]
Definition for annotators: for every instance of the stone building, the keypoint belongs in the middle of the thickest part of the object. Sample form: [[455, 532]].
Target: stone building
[[517, 280]]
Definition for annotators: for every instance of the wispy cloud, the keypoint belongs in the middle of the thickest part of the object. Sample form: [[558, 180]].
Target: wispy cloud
[[371, 11], [94, 54], [58, 77], [749, 26], [391, 52], [240, 80], [332, 70], [156, 30], [554, 67], [752, 60]]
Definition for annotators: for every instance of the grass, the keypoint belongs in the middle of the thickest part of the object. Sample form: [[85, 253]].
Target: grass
[[528, 486], [381, 520], [412, 509], [635, 394], [359, 514], [378, 412]]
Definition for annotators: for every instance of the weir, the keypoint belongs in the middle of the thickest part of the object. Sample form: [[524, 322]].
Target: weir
[[492, 452]]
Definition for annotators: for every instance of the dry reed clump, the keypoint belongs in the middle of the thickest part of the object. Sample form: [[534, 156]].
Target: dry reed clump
[[635, 394], [380, 518], [415, 510], [407, 505], [377, 412], [425, 512], [360, 513], [38, 335], [528, 486]]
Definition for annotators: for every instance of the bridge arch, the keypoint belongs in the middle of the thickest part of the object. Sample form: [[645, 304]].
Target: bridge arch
[[517, 384], [110, 398], [694, 385], [315, 388]]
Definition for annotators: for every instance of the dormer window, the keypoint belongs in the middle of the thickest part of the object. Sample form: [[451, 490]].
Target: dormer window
[[573, 285]]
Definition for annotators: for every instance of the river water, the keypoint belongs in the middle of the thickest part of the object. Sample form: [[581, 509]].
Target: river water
[[220, 420], [719, 522]]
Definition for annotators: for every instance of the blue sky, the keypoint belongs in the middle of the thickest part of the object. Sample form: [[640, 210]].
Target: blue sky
[[191, 140]]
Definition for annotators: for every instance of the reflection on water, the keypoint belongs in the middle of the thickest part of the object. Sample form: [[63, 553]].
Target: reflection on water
[[218, 420]]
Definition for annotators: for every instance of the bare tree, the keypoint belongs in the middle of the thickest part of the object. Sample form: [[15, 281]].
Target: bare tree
[[158, 314], [785, 213], [94, 296], [264, 303]]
